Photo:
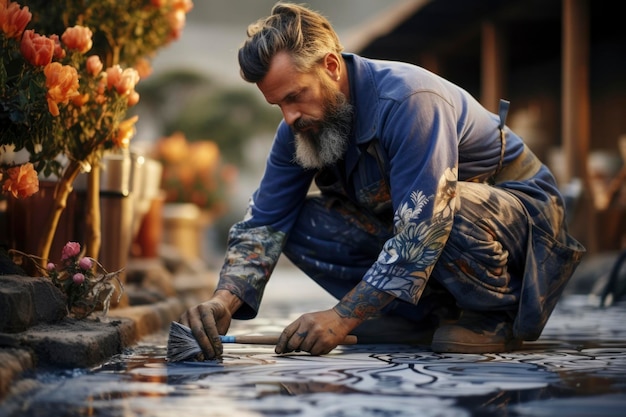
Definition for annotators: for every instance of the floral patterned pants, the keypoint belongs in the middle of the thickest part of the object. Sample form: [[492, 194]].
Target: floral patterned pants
[[480, 268]]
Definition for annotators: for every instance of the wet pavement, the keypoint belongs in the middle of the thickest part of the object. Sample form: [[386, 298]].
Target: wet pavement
[[577, 368]]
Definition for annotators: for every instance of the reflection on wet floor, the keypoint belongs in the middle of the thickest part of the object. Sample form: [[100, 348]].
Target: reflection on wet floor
[[577, 368]]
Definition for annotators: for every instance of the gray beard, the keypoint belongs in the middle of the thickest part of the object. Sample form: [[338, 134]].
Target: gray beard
[[316, 150], [326, 149]]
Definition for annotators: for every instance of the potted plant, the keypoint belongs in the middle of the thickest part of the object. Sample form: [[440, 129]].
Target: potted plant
[[197, 183], [68, 71]]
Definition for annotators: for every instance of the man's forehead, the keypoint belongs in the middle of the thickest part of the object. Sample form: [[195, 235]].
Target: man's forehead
[[281, 80]]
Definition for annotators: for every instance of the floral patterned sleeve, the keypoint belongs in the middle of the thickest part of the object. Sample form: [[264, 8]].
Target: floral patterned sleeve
[[422, 147], [250, 260]]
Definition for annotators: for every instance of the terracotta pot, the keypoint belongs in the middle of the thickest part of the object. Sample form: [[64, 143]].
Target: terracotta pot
[[146, 243], [26, 219]]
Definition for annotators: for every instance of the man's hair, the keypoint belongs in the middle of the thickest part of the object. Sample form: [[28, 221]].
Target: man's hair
[[306, 35]]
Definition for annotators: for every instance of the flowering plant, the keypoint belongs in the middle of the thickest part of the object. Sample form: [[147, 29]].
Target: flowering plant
[[54, 99], [83, 280], [64, 99], [193, 172]]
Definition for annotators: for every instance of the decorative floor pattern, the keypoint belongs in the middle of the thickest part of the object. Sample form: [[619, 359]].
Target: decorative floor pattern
[[577, 368]]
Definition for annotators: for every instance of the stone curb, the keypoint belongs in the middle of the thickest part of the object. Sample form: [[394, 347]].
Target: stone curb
[[85, 343]]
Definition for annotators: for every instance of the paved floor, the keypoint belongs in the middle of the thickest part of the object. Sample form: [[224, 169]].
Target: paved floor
[[577, 368]]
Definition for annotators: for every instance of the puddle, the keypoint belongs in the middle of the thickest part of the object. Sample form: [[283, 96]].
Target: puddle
[[577, 368]]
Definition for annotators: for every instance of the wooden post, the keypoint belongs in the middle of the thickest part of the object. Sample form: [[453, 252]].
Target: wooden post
[[576, 109]]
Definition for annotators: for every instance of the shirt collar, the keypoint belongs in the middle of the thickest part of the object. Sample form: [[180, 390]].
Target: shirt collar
[[364, 97]]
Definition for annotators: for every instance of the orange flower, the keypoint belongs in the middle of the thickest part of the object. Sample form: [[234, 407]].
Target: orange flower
[[125, 132], [176, 19], [101, 89], [185, 174], [94, 65], [124, 82], [184, 5], [22, 181], [127, 82], [78, 38], [62, 84], [80, 100], [37, 49], [133, 98], [13, 19], [114, 74], [173, 149], [204, 155]]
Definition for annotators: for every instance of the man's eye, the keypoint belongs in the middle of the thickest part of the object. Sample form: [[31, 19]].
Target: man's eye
[[293, 97]]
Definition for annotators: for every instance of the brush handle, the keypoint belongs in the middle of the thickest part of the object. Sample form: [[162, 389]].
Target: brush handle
[[272, 340]]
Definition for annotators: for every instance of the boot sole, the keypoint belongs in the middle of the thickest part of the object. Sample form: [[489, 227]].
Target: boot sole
[[441, 346]]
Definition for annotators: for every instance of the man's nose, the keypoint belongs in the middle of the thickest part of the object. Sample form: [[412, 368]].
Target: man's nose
[[290, 114]]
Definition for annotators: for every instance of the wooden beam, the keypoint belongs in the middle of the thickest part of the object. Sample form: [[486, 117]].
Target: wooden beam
[[493, 58]]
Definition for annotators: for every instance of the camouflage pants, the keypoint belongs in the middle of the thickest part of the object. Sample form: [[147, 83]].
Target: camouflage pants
[[480, 268]]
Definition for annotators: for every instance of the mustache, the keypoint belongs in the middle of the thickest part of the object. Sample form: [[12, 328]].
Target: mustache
[[304, 124]]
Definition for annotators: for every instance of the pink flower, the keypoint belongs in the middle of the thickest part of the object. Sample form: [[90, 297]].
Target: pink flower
[[94, 65], [85, 263], [114, 74], [70, 250], [50, 266], [124, 82], [78, 278]]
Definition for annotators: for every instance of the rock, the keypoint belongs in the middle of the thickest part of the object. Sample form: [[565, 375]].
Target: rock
[[27, 301]]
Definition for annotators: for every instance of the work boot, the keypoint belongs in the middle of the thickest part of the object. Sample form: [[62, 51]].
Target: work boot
[[392, 329], [477, 332]]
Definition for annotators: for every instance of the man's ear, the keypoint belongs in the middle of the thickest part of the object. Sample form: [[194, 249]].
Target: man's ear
[[332, 65]]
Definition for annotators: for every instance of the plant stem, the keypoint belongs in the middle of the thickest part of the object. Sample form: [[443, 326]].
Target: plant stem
[[93, 220], [62, 191]]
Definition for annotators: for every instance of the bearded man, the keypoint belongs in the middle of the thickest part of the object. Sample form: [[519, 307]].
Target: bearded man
[[430, 213]]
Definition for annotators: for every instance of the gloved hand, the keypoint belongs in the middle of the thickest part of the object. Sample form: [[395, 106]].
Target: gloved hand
[[209, 320], [317, 333]]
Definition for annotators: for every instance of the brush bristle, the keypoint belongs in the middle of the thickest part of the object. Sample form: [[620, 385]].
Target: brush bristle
[[181, 344]]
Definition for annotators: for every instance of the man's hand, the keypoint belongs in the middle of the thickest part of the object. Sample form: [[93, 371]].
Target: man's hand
[[317, 333], [209, 320]]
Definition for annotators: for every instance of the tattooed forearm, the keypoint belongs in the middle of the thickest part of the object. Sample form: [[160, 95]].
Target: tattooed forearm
[[362, 302]]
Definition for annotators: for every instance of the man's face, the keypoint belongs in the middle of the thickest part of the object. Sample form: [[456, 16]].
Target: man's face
[[314, 108]]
